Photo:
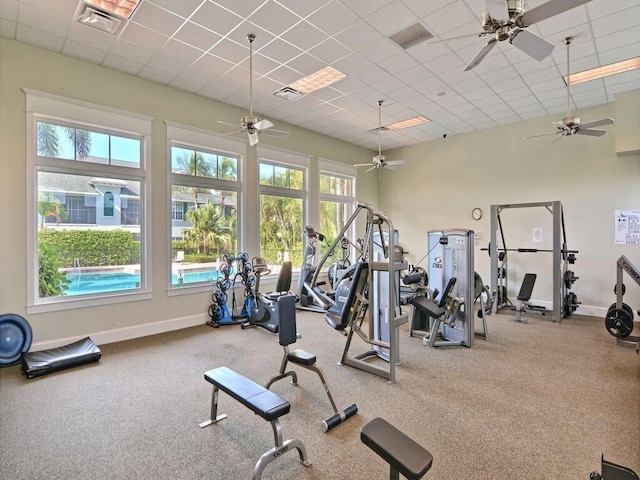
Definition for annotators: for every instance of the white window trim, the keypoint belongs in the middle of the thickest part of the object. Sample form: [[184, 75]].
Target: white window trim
[[197, 138], [54, 107]]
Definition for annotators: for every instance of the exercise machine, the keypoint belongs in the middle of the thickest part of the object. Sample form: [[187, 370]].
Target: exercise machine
[[564, 302], [450, 322], [373, 294], [266, 311], [619, 318], [311, 296]]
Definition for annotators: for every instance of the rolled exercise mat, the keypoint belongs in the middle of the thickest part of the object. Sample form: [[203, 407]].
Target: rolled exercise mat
[[15, 338], [35, 364]]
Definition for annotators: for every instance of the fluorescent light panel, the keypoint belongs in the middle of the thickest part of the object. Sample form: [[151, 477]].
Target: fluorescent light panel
[[604, 71], [316, 81], [409, 122], [122, 8]]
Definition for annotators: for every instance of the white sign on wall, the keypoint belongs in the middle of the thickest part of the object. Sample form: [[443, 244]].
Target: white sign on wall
[[627, 227]]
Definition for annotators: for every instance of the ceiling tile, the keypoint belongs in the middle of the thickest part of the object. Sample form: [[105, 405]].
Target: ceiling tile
[[37, 16], [280, 51], [91, 37], [143, 37], [184, 8], [83, 52], [302, 9], [329, 51], [306, 64], [391, 18], [359, 35], [122, 64], [304, 35], [243, 8], [174, 57], [617, 21], [216, 18], [274, 18], [155, 75], [38, 38], [364, 7], [9, 10], [197, 36], [380, 49], [156, 18], [132, 51], [451, 16], [7, 28], [332, 18]]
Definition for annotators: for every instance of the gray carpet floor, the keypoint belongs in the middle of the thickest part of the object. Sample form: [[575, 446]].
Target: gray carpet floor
[[536, 400]]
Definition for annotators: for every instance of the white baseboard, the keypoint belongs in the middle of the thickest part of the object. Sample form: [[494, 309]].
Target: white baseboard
[[127, 333], [587, 310]]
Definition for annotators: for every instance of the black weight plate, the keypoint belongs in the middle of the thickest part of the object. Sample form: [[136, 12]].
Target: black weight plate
[[15, 338], [619, 323]]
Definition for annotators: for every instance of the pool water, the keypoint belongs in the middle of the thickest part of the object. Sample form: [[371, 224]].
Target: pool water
[[86, 283]]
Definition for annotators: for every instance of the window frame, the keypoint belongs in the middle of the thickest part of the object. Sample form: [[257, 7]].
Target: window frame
[[183, 136], [44, 107]]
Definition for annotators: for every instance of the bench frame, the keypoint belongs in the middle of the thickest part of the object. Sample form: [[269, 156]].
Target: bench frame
[[281, 446]]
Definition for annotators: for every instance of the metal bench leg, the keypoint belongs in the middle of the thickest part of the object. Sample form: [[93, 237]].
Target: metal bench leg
[[277, 451], [394, 474], [214, 417]]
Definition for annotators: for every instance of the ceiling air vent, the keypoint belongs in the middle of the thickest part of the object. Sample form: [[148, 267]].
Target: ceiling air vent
[[288, 93], [412, 35], [95, 18]]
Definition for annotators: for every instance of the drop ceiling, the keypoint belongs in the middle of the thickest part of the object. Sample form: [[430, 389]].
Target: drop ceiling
[[201, 46]]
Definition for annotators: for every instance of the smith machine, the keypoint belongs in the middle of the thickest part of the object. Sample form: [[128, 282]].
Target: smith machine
[[564, 301]]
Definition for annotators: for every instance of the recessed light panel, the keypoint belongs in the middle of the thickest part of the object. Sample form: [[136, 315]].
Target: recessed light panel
[[604, 71]]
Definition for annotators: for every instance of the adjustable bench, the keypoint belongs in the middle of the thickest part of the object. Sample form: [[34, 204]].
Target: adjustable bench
[[402, 454], [524, 295], [261, 402]]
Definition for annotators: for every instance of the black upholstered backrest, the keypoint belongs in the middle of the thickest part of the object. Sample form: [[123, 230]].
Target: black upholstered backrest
[[284, 278], [287, 311], [526, 289], [447, 292], [360, 277]]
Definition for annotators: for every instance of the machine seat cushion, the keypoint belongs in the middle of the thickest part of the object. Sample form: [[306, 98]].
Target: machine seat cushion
[[35, 364], [398, 450], [253, 396], [427, 306], [301, 357]]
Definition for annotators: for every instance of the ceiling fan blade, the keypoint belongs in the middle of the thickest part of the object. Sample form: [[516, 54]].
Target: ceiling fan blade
[[394, 163], [531, 44], [497, 8], [591, 133], [228, 133], [598, 123], [372, 168], [227, 123], [541, 135], [253, 138], [481, 54], [560, 135], [362, 165], [547, 10], [263, 124], [275, 133]]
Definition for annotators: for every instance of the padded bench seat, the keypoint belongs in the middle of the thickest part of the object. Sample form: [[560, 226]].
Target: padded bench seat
[[260, 401], [427, 306], [402, 453]]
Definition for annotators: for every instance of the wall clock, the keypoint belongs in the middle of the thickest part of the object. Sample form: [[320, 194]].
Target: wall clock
[[476, 213]]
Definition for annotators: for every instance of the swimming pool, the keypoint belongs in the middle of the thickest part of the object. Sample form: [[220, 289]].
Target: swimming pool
[[87, 283]]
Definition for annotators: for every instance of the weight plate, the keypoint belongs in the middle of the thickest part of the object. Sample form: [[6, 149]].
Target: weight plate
[[619, 323], [15, 338], [615, 289]]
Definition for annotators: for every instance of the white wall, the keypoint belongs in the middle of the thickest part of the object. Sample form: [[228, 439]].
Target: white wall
[[443, 180], [23, 66]]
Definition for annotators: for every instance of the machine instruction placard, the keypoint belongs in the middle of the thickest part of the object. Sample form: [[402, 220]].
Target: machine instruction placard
[[627, 227]]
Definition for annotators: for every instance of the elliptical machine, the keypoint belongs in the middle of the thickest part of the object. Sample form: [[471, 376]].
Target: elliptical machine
[[312, 297]]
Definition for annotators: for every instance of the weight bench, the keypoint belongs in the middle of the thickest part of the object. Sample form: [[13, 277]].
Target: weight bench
[[262, 402], [287, 336], [524, 295], [402, 453]]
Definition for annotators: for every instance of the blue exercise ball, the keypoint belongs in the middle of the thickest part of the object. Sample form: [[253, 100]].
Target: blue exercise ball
[[15, 338]]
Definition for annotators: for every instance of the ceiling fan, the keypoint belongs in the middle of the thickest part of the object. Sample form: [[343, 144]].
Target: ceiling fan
[[251, 125], [513, 28], [571, 125], [380, 161]]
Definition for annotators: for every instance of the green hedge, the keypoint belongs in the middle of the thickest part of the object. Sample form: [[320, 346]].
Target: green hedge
[[92, 247]]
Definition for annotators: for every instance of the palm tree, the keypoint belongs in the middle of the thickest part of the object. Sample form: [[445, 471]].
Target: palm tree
[[49, 206], [194, 164], [208, 226], [227, 170], [49, 141]]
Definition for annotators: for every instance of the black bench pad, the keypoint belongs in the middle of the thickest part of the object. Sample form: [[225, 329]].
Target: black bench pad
[[427, 306], [398, 450], [35, 364], [261, 401]]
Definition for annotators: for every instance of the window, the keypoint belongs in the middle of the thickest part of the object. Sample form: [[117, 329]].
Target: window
[[336, 204], [282, 204], [205, 193], [87, 201]]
